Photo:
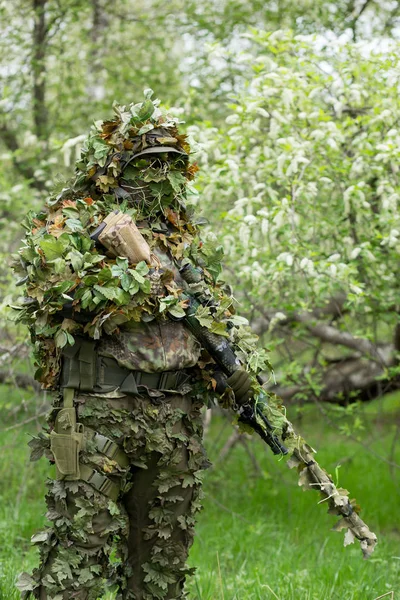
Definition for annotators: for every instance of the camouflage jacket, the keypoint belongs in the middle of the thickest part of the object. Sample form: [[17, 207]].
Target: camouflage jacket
[[154, 346]]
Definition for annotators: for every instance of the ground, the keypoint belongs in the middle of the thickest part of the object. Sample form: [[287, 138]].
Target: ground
[[259, 537]]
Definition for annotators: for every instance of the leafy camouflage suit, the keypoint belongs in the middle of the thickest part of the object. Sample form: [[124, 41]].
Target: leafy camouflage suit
[[127, 521], [157, 479]]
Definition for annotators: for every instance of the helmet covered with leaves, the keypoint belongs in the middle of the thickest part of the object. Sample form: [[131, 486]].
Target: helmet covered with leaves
[[138, 157]]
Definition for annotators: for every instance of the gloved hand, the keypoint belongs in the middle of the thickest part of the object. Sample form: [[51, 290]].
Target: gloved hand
[[240, 382]]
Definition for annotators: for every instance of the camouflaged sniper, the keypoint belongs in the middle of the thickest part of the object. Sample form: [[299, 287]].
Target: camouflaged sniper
[[125, 431]]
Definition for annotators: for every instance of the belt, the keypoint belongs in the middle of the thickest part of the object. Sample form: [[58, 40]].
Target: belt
[[110, 375], [90, 372]]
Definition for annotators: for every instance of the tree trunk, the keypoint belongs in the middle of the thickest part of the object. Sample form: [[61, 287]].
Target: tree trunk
[[95, 84], [40, 113]]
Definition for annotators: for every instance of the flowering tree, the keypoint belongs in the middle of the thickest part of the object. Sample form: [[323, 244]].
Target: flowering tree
[[304, 182], [300, 156]]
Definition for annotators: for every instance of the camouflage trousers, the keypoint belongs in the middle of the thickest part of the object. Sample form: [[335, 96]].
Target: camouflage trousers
[[139, 543]]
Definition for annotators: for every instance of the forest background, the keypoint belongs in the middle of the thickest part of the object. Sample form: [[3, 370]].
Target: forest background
[[294, 114]]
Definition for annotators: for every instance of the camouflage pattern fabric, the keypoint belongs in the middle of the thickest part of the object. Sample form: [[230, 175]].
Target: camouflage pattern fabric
[[138, 544], [137, 164], [152, 347]]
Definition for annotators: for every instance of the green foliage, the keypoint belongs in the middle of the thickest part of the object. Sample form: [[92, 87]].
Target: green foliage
[[261, 533], [306, 176], [71, 287], [137, 162], [306, 179]]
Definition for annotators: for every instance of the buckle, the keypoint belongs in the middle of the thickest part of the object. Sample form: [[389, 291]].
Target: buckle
[[106, 446], [103, 484], [182, 378], [111, 450], [166, 380], [163, 381]]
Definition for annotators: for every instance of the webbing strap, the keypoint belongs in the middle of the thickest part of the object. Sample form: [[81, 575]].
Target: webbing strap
[[87, 365], [112, 375], [68, 397], [100, 482], [70, 374], [83, 369], [111, 450]]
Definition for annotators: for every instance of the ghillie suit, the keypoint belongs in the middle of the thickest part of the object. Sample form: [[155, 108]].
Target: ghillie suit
[[125, 338], [125, 431]]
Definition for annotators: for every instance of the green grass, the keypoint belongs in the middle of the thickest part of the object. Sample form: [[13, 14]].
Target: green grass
[[265, 538], [258, 537]]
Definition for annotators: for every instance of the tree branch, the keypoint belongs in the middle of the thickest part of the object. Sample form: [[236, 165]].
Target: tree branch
[[324, 331], [331, 335], [20, 380], [333, 309], [355, 17], [354, 378]]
